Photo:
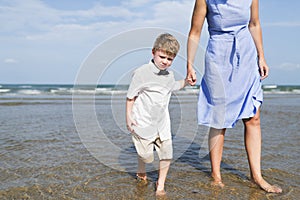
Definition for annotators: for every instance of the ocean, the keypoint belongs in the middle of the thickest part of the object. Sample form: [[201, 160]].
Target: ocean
[[36, 90], [66, 142]]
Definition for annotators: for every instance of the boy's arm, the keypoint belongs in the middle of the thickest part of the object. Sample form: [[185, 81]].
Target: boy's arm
[[181, 84], [129, 120]]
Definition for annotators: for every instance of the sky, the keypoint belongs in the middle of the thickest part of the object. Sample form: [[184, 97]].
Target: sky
[[51, 41]]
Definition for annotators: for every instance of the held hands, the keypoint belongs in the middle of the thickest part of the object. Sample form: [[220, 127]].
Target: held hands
[[263, 69], [191, 76]]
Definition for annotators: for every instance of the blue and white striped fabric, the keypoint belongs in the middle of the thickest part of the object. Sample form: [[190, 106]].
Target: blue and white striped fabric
[[231, 86]]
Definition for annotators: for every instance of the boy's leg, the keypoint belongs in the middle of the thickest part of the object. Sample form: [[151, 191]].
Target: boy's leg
[[141, 171], [164, 166], [144, 150], [165, 153]]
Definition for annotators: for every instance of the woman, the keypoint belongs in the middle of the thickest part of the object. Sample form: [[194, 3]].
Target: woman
[[231, 86]]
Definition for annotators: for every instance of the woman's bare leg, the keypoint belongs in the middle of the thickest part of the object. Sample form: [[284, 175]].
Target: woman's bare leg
[[252, 137], [216, 143]]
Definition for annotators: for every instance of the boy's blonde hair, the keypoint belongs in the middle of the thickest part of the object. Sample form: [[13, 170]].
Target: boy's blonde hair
[[167, 43]]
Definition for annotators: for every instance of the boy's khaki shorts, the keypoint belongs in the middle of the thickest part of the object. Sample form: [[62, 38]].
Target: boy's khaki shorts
[[145, 148]]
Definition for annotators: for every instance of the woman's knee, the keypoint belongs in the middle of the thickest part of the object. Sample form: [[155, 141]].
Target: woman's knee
[[253, 121]]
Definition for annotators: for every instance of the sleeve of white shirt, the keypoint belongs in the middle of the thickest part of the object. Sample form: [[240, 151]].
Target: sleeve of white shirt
[[135, 85]]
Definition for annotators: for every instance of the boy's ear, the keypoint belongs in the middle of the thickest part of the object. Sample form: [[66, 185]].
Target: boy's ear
[[153, 52]]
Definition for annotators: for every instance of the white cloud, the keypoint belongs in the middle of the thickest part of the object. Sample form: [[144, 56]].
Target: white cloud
[[34, 16], [113, 12], [289, 66], [40, 22], [54, 39], [283, 24], [173, 13], [137, 3], [10, 61], [18, 17]]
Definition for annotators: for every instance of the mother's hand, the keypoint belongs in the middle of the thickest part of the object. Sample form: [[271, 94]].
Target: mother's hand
[[191, 76], [263, 69]]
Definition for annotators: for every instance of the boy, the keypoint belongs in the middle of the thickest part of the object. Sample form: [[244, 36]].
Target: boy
[[147, 114]]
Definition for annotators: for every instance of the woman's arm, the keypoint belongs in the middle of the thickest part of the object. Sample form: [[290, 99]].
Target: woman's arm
[[198, 18], [256, 32]]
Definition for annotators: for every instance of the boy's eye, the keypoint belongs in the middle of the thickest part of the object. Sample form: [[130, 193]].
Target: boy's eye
[[164, 57]]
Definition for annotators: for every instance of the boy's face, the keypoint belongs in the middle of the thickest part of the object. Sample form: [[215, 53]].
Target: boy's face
[[162, 60]]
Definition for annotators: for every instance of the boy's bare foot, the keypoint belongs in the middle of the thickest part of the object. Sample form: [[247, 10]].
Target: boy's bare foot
[[142, 178], [264, 185], [159, 190]]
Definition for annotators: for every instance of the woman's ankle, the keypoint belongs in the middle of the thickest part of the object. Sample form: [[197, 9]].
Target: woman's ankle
[[216, 177], [217, 180]]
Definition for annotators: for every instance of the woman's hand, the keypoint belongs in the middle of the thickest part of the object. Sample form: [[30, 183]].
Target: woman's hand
[[191, 76], [263, 69]]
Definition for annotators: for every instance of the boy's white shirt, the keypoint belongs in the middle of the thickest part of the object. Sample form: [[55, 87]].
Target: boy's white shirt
[[150, 109]]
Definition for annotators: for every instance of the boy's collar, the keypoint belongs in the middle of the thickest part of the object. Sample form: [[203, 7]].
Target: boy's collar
[[158, 71]]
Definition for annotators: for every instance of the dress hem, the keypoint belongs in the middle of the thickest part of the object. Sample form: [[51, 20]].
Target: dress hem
[[254, 111]]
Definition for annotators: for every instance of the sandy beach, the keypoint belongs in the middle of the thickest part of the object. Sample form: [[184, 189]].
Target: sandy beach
[[43, 154]]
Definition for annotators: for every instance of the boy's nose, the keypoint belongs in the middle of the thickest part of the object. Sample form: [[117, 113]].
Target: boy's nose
[[164, 61]]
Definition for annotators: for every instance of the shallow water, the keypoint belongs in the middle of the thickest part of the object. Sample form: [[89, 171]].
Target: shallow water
[[45, 155]]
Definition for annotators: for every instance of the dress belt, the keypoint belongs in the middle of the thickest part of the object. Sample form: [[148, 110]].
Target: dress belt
[[234, 37], [235, 66]]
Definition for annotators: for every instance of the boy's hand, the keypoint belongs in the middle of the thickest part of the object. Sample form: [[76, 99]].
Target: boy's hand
[[186, 82], [191, 76], [129, 123]]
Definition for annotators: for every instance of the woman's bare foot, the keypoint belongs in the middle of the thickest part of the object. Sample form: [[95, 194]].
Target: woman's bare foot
[[217, 181], [264, 185]]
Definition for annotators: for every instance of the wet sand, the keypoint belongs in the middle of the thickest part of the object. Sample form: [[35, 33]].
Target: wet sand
[[43, 156]]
